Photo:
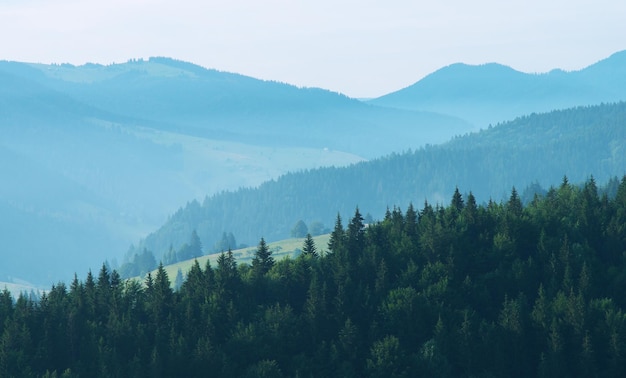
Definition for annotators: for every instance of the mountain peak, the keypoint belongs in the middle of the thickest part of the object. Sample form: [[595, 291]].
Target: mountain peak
[[491, 93], [467, 74], [616, 63]]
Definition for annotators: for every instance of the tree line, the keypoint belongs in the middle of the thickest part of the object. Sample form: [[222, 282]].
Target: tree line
[[538, 148], [495, 289]]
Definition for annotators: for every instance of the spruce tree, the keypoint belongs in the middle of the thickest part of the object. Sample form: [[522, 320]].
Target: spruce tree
[[337, 236], [356, 235], [457, 201], [195, 246], [263, 260], [515, 204], [308, 248]]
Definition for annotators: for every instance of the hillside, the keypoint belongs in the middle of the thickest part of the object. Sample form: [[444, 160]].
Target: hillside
[[492, 93], [464, 290], [180, 97], [98, 156], [288, 248], [93, 157], [576, 143]]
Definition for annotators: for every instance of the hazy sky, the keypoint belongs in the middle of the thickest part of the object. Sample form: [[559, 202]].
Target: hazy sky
[[362, 48]]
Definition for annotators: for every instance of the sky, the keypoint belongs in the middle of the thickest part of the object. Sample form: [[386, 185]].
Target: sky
[[363, 49]]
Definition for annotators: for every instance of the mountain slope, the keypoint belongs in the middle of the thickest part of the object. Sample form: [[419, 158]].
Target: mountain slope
[[180, 97], [576, 142], [107, 152], [492, 93], [94, 157]]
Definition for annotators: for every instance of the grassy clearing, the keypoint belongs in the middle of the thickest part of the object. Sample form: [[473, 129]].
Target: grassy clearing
[[280, 250], [17, 288]]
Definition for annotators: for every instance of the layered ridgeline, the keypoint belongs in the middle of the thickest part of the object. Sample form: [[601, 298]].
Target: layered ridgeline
[[97, 156], [576, 143], [465, 290], [180, 97], [94, 157], [492, 93]]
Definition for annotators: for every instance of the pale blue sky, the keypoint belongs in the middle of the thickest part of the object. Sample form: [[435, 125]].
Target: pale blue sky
[[362, 48]]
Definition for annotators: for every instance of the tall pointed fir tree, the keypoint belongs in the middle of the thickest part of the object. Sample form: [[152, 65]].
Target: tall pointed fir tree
[[356, 235], [337, 237], [263, 260], [308, 248]]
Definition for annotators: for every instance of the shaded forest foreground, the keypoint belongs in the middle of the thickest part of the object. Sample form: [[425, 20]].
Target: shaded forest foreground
[[501, 290]]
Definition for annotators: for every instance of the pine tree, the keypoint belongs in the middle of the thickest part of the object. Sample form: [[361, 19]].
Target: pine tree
[[263, 260], [308, 248], [103, 293], [226, 274], [457, 201], [170, 256], [410, 221], [178, 282], [470, 213], [356, 235], [337, 237], [515, 203], [195, 245], [6, 307]]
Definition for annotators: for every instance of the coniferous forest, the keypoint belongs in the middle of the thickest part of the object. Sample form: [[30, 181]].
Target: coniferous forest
[[495, 290], [539, 148]]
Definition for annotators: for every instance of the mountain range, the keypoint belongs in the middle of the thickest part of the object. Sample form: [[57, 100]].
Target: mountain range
[[492, 93], [95, 157], [531, 154]]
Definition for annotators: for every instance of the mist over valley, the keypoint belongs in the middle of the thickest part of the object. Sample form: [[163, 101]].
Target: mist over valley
[[96, 158]]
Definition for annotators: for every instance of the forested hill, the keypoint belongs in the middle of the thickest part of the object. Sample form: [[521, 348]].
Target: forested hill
[[94, 157], [492, 93], [502, 290], [540, 149], [176, 96]]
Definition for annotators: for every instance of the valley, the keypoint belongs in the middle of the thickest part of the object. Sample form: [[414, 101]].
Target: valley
[[118, 149]]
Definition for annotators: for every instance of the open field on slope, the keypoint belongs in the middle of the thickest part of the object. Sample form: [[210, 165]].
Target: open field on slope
[[280, 250], [16, 288]]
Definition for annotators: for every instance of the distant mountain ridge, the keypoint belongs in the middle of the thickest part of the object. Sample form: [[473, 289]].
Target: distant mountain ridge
[[171, 95], [491, 93], [538, 149], [97, 156], [107, 152]]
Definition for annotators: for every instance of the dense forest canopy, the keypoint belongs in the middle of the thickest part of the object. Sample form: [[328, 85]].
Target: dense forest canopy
[[501, 289], [537, 149], [162, 132], [106, 153], [118, 148]]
